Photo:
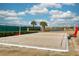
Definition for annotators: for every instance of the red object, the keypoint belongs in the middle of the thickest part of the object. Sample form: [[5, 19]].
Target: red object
[[76, 30]]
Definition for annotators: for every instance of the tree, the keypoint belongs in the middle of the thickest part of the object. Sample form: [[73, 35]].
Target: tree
[[33, 23], [43, 24]]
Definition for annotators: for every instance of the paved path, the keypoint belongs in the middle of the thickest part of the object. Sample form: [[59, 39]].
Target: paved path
[[50, 40]]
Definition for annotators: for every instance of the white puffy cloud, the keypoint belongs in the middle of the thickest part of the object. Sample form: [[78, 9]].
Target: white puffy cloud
[[37, 10], [15, 21], [72, 4], [43, 7], [11, 13], [61, 18], [8, 13], [39, 20], [11, 18], [76, 18], [57, 14], [54, 5], [58, 21], [21, 13]]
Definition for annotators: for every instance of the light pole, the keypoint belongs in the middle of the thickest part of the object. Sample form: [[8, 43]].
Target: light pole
[[19, 28]]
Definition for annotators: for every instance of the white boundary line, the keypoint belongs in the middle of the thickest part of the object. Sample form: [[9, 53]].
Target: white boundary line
[[65, 37], [34, 47], [67, 47], [26, 46]]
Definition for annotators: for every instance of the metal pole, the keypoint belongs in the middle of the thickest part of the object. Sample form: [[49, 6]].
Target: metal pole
[[19, 29]]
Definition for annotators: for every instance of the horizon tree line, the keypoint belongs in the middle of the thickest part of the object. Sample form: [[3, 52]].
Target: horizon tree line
[[43, 24]]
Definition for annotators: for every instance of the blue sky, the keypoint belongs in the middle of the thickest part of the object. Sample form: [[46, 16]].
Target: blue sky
[[55, 14]]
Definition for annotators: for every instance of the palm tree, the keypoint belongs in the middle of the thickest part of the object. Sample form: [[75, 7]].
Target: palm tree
[[43, 24], [33, 23]]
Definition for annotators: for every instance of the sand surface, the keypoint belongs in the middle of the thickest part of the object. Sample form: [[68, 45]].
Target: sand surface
[[18, 51], [42, 39]]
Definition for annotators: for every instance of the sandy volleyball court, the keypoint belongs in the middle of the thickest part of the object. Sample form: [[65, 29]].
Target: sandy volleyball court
[[50, 40]]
